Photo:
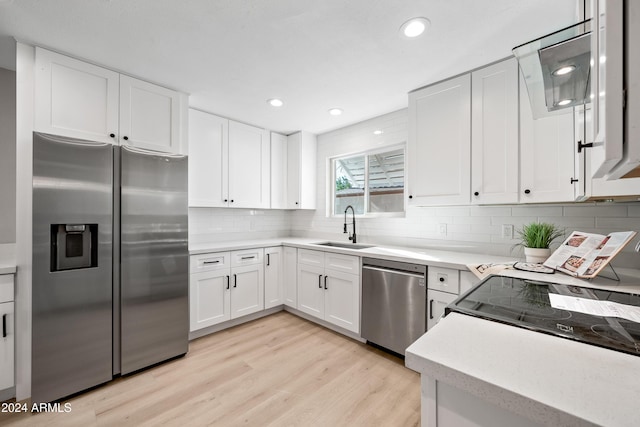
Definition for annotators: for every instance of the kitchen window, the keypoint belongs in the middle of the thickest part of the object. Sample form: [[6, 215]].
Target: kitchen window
[[371, 182]]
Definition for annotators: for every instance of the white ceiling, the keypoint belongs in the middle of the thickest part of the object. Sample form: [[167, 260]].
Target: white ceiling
[[233, 55]]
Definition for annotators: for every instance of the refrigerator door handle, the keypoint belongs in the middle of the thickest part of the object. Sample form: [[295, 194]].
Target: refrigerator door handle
[[151, 152]]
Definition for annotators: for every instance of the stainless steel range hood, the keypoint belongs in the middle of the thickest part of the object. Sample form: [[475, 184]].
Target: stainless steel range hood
[[556, 69]]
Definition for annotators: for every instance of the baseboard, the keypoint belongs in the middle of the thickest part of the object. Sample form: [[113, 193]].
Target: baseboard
[[233, 322], [327, 325]]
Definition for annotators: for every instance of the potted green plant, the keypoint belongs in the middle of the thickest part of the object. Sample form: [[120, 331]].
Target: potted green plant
[[536, 238]]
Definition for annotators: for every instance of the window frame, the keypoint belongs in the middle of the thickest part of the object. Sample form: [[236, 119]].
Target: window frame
[[331, 183]]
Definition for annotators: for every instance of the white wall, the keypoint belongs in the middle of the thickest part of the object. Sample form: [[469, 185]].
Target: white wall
[[469, 228], [7, 156]]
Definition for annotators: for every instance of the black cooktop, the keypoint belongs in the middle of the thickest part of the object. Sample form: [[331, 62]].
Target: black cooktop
[[526, 304]]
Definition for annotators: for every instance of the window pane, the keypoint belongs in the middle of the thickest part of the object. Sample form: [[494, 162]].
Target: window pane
[[386, 181], [349, 185]]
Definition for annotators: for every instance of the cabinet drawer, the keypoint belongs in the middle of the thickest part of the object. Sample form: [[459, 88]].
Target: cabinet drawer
[[6, 288], [209, 262], [345, 263], [308, 257], [246, 257], [443, 279]]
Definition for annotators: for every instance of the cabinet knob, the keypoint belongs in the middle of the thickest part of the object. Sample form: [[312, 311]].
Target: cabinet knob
[[527, 191], [410, 196], [231, 200], [112, 135], [441, 279], [126, 138], [296, 203], [476, 194], [226, 200]]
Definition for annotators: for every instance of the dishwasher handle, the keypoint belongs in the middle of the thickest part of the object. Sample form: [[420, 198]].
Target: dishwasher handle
[[388, 270]]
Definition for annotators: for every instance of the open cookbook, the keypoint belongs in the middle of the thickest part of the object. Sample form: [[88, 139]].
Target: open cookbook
[[584, 255]]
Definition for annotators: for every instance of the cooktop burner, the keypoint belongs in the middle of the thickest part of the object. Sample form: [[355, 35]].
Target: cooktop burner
[[526, 304]]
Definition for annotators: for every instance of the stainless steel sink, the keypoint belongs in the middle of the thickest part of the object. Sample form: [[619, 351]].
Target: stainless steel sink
[[355, 246]]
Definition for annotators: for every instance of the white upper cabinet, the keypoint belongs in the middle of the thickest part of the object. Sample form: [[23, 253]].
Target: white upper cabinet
[[149, 116], [75, 99], [208, 153], [81, 100], [439, 147], [494, 133], [249, 166], [547, 157], [301, 170], [229, 163], [278, 171]]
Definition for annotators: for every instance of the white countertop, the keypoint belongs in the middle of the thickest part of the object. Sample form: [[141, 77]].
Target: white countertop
[[551, 380], [432, 257]]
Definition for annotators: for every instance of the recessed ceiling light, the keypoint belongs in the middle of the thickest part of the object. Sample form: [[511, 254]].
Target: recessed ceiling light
[[565, 102], [378, 132], [564, 70], [335, 111], [414, 27], [275, 102]]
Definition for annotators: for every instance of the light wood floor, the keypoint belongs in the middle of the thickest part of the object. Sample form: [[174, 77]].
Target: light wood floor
[[276, 371]]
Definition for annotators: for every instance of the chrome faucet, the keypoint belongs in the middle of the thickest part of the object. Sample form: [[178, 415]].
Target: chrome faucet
[[352, 237]]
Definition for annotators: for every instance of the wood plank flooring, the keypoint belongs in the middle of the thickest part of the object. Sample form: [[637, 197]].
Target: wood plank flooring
[[280, 370]]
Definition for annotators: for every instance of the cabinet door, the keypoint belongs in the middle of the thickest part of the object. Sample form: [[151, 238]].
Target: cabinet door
[[301, 181], [342, 300], [311, 290], [209, 302], [247, 290], [278, 171], [439, 147], [273, 277], [437, 301], [149, 116], [75, 99], [249, 166], [7, 344], [494, 136], [546, 155], [208, 153], [291, 277]]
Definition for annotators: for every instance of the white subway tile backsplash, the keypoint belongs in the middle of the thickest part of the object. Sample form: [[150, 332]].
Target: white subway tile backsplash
[[596, 211]]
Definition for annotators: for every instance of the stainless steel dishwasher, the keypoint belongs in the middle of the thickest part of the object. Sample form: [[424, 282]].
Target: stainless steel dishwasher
[[394, 303]]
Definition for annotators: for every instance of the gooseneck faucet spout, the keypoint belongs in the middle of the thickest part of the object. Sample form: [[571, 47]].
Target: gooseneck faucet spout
[[352, 237]]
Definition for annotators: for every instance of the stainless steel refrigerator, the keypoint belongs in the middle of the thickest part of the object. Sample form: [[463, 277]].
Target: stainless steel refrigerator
[[110, 263]]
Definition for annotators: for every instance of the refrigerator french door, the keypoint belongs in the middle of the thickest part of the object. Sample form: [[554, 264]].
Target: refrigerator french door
[[110, 263]]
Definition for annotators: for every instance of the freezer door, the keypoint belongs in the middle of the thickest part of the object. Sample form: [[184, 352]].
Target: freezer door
[[71, 323], [154, 259]]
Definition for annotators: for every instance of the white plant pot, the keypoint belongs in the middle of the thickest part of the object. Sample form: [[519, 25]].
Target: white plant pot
[[536, 255]]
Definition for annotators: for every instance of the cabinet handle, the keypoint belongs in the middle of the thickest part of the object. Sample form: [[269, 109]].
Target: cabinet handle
[[228, 280], [211, 262], [574, 180], [235, 281], [248, 257], [268, 260], [112, 135], [430, 309], [320, 281], [4, 325], [325, 282], [581, 146], [126, 138], [527, 191], [476, 194]]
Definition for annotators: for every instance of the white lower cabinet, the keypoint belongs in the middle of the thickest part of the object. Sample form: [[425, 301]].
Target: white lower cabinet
[[7, 339], [290, 276], [224, 286], [329, 287], [273, 277], [443, 287]]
